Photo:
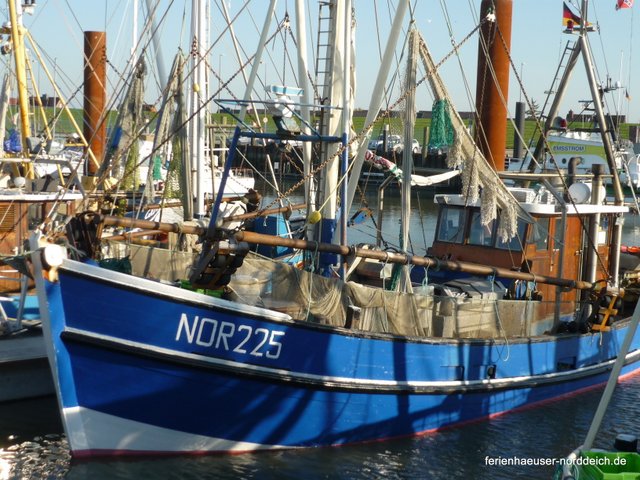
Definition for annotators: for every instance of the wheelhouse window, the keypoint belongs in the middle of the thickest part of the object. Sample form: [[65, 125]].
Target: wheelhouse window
[[516, 243], [451, 225], [603, 230], [558, 234], [455, 227], [481, 234], [540, 234], [35, 215]]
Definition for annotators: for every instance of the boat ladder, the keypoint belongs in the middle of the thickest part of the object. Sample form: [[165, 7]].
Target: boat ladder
[[324, 54], [606, 312], [560, 71]]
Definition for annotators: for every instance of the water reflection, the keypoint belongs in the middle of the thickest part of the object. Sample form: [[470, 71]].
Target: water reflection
[[543, 433]]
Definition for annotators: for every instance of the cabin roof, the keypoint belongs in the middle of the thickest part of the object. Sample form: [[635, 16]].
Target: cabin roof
[[538, 202], [36, 197]]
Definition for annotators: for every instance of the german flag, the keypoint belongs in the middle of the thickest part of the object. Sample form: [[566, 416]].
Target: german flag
[[572, 21]]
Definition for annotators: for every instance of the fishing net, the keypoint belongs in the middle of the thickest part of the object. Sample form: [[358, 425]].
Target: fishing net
[[479, 179], [441, 133]]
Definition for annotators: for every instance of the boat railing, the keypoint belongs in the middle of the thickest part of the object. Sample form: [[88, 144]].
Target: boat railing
[[234, 108], [58, 161]]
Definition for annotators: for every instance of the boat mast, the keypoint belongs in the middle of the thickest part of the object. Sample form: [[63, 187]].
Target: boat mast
[[198, 97], [376, 97], [134, 33], [305, 111], [348, 92], [155, 37], [337, 91], [597, 102], [262, 43], [582, 48], [616, 240], [238, 53], [95, 98], [17, 36], [404, 282], [539, 152]]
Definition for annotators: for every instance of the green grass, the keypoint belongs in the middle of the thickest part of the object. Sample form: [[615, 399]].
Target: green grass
[[64, 125]]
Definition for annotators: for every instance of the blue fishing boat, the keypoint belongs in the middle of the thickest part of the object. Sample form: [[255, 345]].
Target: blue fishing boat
[[198, 374], [271, 356]]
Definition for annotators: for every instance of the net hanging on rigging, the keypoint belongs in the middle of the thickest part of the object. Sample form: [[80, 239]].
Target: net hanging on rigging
[[441, 133]]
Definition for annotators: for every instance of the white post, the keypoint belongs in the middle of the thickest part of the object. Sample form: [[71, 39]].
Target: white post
[[613, 379], [256, 61], [198, 97], [157, 46], [377, 96], [347, 96], [301, 39]]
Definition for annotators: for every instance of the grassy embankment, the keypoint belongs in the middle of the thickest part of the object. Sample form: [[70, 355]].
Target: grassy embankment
[[64, 125]]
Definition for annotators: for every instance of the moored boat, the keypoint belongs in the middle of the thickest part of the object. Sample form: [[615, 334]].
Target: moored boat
[[293, 358], [26, 200]]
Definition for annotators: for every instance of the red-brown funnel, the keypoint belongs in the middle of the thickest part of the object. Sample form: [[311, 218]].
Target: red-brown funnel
[[95, 94], [491, 132]]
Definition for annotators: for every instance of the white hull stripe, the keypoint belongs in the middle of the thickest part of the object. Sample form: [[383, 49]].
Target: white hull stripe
[[335, 382], [91, 432]]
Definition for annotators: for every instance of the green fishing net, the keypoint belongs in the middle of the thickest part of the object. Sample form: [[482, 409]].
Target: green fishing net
[[441, 132]]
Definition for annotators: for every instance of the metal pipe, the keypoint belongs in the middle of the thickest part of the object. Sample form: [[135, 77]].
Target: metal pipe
[[539, 152], [262, 43], [263, 213], [492, 94], [518, 134], [131, 235], [95, 94], [593, 226], [155, 37], [561, 249], [381, 189]]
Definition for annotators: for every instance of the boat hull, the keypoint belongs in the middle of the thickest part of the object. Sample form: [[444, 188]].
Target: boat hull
[[145, 368]]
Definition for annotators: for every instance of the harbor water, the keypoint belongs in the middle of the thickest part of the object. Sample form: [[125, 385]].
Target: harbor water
[[516, 445], [523, 444]]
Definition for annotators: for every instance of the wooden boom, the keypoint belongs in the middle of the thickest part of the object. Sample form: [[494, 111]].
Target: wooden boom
[[388, 257]]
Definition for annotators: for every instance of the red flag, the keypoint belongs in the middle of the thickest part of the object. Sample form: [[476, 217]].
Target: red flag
[[624, 4]]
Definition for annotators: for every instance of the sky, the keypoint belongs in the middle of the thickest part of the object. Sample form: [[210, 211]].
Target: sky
[[537, 43]]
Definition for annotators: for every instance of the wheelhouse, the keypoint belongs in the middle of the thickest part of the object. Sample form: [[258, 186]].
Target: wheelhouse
[[549, 242]]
